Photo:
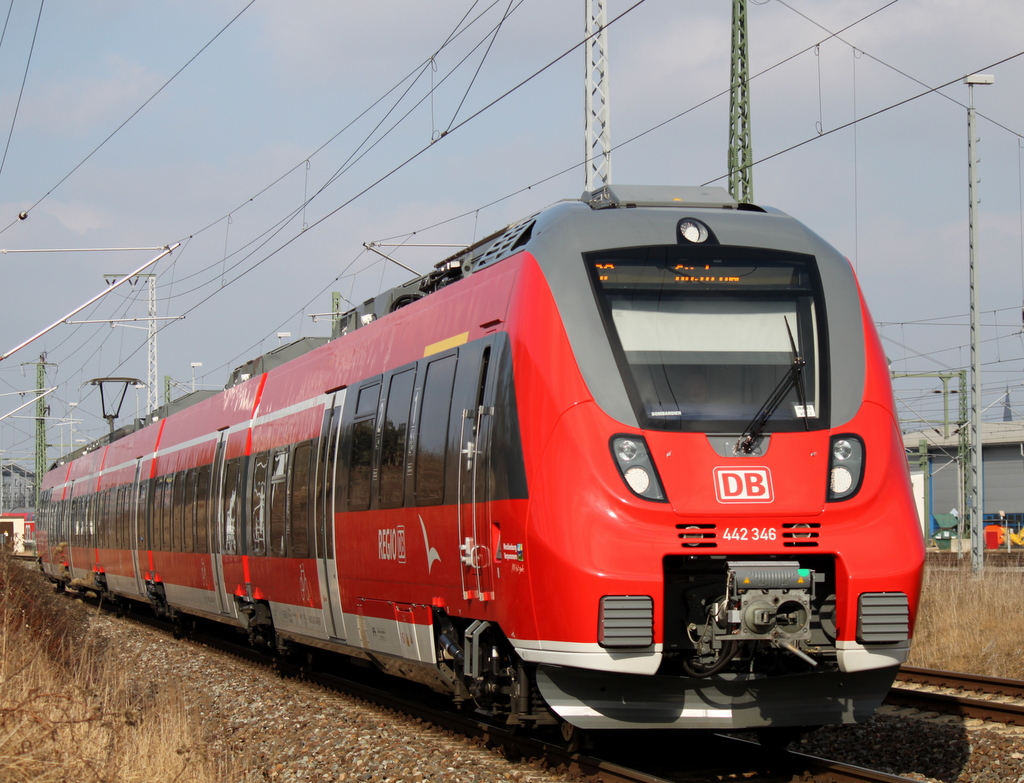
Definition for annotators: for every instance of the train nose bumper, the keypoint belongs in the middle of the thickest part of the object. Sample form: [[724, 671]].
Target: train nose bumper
[[738, 701]]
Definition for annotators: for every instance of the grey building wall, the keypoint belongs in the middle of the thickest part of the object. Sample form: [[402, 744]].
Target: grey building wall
[[1002, 477]]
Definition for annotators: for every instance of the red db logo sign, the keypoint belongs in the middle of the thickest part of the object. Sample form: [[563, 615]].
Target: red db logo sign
[[743, 485]]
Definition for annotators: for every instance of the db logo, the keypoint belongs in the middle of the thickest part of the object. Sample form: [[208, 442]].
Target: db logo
[[743, 485]]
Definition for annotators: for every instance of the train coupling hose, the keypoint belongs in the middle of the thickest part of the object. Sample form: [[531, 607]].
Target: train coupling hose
[[790, 647]]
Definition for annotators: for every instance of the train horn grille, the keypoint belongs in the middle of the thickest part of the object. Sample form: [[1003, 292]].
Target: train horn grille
[[800, 534], [693, 535]]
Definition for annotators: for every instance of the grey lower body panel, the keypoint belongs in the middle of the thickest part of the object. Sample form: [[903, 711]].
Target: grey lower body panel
[[602, 700]]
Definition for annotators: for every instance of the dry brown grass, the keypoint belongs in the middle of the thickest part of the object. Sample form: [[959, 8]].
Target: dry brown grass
[[971, 624], [67, 714]]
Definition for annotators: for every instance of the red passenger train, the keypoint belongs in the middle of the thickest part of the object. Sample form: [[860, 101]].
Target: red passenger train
[[631, 462]]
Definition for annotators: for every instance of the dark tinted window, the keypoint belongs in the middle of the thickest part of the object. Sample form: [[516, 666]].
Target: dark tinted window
[[393, 440], [300, 500], [278, 497], [183, 512], [432, 437], [361, 453], [231, 509], [705, 334], [202, 508], [259, 503], [166, 505]]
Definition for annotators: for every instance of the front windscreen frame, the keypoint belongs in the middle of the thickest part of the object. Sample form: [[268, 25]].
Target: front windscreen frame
[[702, 334]]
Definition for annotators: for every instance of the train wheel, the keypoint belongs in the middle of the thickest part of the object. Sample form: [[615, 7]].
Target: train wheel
[[572, 736]]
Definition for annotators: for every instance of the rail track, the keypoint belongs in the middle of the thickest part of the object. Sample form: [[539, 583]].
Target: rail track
[[626, 757], [916, 688]]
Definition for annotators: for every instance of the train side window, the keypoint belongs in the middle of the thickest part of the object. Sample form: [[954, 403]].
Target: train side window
[[278, 496], [121, 541], [88, 520], [393, 440], [432, 437], [152, 513], [167, 515], [299, 507], [361, 454], [126, 521], [202, 497], [232, 506], [182, 515], [97, 508], [98, 503], [259, 503], [146, 521], [85, 527], [108, 518], [158, 514], [98, 499]]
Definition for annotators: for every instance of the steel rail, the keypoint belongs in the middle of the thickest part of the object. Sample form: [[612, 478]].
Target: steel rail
[[987, 709], [969, 682]]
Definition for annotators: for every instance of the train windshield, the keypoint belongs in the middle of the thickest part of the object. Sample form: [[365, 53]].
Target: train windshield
[[705, 335]]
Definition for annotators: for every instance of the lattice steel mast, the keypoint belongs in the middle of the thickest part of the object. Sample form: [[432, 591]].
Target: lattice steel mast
[[42, 411], [741, 179], [151, 398], [598, 162]]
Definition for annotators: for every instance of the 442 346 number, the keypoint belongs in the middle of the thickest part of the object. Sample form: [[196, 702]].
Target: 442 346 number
[[750, 534]]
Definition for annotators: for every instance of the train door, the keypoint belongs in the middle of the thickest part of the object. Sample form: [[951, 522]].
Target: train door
[[60, 534], [73, 526], [137, 526], [323, 518], [476, 546], [214, 505], [223, 520]]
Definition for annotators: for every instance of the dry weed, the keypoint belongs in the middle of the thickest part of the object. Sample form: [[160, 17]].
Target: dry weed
[[971, 624], [68, 713]]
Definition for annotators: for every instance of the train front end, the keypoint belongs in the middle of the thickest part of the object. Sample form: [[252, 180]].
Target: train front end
[[721, 531]]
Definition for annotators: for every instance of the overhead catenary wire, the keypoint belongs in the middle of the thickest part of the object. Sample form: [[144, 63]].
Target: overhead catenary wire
[[132, 116], [304, 202], [24, 78], [399, 166], [536, 73]]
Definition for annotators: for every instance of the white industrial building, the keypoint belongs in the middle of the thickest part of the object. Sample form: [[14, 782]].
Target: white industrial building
[[940, 482]]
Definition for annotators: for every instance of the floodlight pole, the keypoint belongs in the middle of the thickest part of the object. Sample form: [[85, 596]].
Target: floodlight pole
[[977, 491]]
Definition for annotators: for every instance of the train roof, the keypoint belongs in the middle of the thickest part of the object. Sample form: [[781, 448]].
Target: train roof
[[628, 201]]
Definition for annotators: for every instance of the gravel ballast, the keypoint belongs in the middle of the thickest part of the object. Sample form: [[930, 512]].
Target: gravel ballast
[[277, 729]]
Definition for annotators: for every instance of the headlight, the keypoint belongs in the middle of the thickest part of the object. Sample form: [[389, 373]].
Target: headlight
[[638, 479], [626, 450], [636, 467], [840, 480], [841, 449], [846, 467]]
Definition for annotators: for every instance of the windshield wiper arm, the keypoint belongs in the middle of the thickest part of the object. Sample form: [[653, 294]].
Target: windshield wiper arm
[[751, 436]]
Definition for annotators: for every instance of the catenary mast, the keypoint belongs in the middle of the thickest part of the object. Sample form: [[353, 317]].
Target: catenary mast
[[598, 162], [741, 179]]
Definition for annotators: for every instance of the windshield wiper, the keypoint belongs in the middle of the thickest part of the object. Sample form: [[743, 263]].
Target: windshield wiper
[[752, 435]]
